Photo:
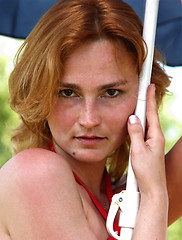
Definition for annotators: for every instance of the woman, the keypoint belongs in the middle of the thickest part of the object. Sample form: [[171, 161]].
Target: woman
[[75, 86]]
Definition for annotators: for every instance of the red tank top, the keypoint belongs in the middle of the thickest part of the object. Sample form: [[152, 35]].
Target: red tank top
[[97, 204]]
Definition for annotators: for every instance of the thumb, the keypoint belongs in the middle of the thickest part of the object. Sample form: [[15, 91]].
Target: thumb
[[135, 131]]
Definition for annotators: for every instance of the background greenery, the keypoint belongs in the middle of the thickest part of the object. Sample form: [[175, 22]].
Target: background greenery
[[171, 122]]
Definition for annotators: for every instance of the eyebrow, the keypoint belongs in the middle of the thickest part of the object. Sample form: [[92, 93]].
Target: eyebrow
[[70, 85], [114, 84], [105, 86]]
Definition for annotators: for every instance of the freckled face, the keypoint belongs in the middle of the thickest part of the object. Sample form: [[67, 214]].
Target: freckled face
[[98, 92]]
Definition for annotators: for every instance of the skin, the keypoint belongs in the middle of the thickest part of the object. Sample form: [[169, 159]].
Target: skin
[[34, 184], [149, 155], [173, 174], [87, 113]]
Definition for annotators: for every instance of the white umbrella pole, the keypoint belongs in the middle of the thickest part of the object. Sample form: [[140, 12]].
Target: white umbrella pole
[[128, 200]]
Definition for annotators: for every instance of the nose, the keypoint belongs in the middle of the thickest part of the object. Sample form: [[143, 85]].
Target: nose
[[89, 116]]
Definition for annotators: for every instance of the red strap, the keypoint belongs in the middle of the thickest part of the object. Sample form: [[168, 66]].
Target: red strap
[[97, 204], [51, 147], [109, 196]]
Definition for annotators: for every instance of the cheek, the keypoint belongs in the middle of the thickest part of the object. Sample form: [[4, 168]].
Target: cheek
[[119, 115], [61, 118]]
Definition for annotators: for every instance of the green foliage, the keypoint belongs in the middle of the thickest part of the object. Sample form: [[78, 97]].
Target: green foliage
[[7, 117], [171, 126], [175, 230]]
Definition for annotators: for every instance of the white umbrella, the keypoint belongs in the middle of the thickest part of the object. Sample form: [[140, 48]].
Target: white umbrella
[[128, 200]]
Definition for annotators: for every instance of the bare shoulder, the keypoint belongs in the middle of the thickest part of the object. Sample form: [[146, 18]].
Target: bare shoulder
[[33, 186], [175, 152], [33, 159], [174, 181], [31, 169]]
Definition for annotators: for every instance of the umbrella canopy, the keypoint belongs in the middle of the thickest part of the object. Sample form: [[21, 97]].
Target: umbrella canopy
[[18, 18]]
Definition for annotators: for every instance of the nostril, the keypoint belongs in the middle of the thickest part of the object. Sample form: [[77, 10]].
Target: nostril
[[89, 116], [89, 119]]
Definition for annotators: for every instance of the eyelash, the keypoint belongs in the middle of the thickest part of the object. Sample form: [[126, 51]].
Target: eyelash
[[62, 93], [67, 93], [114, 95]]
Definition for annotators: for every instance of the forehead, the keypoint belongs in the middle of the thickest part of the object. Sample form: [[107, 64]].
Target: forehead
[[99, 61]]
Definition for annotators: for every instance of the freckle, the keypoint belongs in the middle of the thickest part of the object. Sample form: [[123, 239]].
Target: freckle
[[74, 153]]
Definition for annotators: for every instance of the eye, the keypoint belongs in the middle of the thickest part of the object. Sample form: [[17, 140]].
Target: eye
[[67, 93], [112, 93]]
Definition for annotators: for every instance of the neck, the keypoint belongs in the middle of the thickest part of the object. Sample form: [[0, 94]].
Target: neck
[[99, 192], [92, 176]]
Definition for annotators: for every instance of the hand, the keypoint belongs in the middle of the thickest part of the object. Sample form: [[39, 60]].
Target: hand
[[147, 156]]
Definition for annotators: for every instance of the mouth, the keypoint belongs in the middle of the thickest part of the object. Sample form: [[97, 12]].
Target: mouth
[[89, 140]]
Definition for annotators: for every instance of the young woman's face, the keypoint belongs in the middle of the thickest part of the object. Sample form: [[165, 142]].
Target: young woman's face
[[98, 92]]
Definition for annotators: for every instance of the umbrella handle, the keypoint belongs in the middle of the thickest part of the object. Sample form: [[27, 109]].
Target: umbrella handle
[[116, 204], [149, 32], [120, 203]]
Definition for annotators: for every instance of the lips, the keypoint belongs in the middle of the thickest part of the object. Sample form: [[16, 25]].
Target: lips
[[89, 140]]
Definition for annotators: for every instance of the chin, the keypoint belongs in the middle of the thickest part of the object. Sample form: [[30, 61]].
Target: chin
[[89, 157]]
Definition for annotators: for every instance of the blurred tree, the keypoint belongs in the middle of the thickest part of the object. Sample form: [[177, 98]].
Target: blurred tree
[[7, 117], [171, 126]]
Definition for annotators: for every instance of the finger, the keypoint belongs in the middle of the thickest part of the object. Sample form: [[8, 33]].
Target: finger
[[154, 135], [135, 131], [152, 112], [153, 122]]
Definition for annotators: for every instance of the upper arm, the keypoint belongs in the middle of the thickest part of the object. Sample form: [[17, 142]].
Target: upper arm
[[40, 198], [174, 181]]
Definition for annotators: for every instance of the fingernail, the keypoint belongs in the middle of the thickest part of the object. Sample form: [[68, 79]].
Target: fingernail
[[153, 85], [133, 119]]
